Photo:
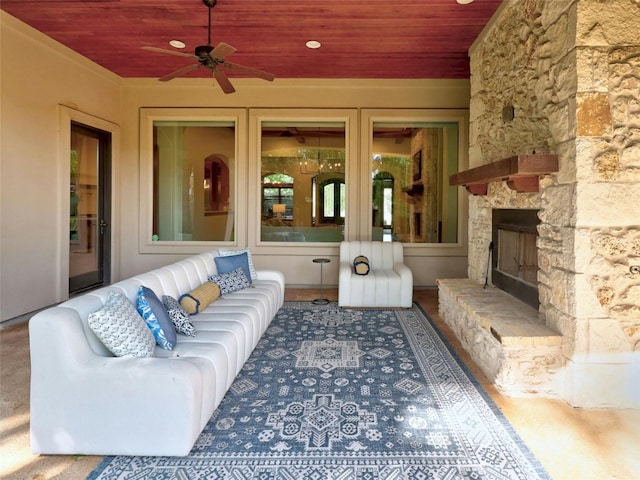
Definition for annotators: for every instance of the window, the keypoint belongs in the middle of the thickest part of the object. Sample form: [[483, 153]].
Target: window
[[189, 167], [333, 201], [303, 181], [277, 197], [383, 189], [216, 185], [410, 165]]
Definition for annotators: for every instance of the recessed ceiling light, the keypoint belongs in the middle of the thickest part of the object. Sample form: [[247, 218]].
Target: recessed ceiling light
[[464, 2], [177, 44], [313, 44]]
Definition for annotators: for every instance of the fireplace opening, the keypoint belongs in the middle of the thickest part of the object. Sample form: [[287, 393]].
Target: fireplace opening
[[514, 257]]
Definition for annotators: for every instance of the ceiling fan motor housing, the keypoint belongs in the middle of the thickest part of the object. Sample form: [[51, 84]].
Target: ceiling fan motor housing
[[203, 50]]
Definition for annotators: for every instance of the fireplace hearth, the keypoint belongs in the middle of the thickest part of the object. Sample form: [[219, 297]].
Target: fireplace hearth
[[514, 255]]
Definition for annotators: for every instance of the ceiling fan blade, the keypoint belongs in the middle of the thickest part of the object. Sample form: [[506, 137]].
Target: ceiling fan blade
[[221, 50], [179, 73], [254, 72], [170, 52], [223, 81]]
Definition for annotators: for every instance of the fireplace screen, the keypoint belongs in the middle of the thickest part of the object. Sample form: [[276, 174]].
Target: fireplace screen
[[515, 254]]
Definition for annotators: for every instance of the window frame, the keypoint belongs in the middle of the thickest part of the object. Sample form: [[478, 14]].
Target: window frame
[[148, 116], [256, 118], [368, 118]]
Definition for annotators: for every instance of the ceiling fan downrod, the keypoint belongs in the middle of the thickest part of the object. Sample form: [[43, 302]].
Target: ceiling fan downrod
[[210, 4]]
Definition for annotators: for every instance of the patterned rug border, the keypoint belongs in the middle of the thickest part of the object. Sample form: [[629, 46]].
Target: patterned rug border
[[526, 451], [367, 460]]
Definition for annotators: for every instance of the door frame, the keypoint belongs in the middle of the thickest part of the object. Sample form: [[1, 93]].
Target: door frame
[[66, 116]]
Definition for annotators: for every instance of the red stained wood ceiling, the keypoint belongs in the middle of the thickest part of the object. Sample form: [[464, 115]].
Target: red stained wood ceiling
[[360, 38]]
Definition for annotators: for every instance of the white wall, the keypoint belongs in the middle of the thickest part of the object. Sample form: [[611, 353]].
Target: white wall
[[33, 185]]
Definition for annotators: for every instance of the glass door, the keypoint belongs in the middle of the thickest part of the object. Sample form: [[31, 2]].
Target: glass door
[[89, 195]]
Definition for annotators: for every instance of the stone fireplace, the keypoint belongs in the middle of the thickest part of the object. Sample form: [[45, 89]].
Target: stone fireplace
[[569, 72]]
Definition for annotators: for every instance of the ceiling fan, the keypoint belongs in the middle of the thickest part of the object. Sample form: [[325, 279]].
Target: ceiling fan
[[212, 58]]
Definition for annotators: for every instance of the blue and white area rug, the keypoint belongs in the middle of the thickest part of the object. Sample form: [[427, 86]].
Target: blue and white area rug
[[337, 394]]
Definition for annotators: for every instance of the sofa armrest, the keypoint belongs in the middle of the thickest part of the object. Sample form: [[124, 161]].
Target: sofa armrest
[[406, 279], [345, 271], [272, 275], [136, 401], [82, 401], [405, 272]]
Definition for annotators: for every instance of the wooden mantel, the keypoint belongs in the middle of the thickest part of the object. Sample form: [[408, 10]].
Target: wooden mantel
[[522, 173]]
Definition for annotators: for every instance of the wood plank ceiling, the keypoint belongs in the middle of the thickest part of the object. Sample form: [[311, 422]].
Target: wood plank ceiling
[[389, 39]]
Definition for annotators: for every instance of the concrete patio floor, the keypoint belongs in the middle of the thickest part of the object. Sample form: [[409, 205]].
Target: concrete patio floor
[[572, 444]]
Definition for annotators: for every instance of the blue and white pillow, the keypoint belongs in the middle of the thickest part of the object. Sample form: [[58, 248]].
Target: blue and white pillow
[[180, 318], [157, 318], [252, 267], [230, 282], [229, 263], [121, 329]]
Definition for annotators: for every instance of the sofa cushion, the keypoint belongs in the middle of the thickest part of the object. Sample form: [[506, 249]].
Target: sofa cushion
[[199, 298], [252, 267], [121, 328], [157, 318], [229, 263], [179, 317], [231, 281]]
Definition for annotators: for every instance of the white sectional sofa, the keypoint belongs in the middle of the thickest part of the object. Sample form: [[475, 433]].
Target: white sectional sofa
[[85, 400]]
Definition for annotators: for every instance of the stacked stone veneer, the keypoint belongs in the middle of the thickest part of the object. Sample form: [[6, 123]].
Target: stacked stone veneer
[[521, 356], [571, 71]]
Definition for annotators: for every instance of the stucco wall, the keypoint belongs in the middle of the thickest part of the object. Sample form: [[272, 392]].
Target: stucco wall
[[37, 76], [33, 183], [288, 94]]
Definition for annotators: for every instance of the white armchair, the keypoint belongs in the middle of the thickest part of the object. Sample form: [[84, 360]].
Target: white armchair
[[389, 282]]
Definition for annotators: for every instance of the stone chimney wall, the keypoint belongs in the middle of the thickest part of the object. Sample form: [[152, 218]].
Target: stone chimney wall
[[570, 70]]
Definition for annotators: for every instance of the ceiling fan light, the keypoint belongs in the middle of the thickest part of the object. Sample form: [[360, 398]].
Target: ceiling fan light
[[313, 44], [177, 44], [464, 2]]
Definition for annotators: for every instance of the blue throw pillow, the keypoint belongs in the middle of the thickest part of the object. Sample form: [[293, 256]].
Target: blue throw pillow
[[228, 264], [230, 282], [181, 319], [252, 268], [152, 310]]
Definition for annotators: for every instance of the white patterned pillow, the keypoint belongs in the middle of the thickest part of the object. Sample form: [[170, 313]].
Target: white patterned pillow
[[121, 328], [252, 268], [231, 281], [180, 318]]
